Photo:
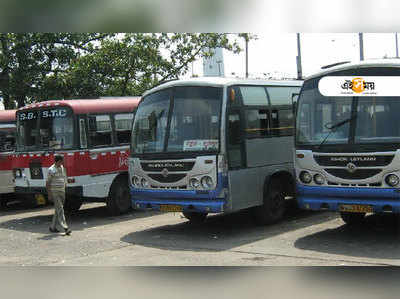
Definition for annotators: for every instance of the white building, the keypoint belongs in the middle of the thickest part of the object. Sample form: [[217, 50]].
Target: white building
[[214, 66]]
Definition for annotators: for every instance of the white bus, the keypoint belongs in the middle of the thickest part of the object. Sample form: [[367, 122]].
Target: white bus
[[348, 141], [212, 145]]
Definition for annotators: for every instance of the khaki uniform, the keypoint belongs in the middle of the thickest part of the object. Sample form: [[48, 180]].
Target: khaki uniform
[[57, 179]]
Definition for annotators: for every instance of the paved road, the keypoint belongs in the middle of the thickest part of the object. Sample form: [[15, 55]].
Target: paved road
[[152, 238]]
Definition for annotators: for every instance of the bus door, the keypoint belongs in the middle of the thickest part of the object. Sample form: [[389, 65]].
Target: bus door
[[243, 181], [100, 136], [82, 164]]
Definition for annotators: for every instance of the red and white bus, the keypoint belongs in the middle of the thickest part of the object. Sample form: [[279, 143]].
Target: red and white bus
[[94, 137], [7, 143]]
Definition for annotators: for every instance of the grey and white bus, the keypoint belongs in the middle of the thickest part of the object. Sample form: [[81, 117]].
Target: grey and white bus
[[348, 144], [212, 145]]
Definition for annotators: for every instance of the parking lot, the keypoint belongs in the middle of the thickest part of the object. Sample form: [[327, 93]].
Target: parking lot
[[158, 239]]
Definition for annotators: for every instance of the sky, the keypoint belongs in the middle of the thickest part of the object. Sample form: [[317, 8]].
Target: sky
[[274, 54]]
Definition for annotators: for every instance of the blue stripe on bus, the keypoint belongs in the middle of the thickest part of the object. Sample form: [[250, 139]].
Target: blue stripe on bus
[[315, 198]]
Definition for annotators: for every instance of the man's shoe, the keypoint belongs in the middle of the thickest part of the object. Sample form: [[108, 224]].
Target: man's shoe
[[53, 230], [67, 231]]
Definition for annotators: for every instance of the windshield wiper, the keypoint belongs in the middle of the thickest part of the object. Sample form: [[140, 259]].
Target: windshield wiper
[[332, 128]]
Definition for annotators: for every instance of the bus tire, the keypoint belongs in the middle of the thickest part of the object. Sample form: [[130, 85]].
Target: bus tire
[[3, 203], [119, 201], [72, 204], [195, 218], [352, 219], [273, 207]]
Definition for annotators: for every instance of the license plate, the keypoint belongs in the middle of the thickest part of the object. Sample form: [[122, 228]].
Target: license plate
[[356, 208], [170, 208]]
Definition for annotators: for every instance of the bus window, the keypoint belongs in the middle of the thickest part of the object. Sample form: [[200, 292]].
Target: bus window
[[27, 130], [7, 138], [282, 122], [100, 130], [254, 95], [282, 116], [257, 123], [123, 124], [281, 95], [234, 143]]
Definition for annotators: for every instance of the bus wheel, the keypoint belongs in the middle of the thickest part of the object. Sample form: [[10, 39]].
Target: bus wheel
[[273, 208], [72, 204], [195, 218], [352, 218], [119, 201], [3, 203]]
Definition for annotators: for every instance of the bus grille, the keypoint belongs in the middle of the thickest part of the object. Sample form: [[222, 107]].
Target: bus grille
[[359, 161], [170, 166], [170, 178], [358, 174]]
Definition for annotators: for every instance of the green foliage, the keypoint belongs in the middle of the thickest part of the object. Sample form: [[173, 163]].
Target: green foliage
[[43, 66]]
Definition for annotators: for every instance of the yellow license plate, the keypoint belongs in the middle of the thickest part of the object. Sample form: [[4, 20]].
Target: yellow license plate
[[40, 200], [170, 208], [356, 208]]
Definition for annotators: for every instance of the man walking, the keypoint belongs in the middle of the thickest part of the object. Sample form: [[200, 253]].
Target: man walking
[[55, 185]]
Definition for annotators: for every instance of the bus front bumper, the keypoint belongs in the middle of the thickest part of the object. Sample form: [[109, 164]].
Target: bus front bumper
[[331, 198], [178, 201]]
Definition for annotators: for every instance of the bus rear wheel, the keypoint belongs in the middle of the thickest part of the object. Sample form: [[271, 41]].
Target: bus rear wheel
[[273, 207], [195, 218], [352, 218], [72, 204], [119, 201]]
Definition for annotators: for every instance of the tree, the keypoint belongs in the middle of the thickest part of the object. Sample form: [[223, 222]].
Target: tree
[[135, 62], [41, 66], [31, 62]]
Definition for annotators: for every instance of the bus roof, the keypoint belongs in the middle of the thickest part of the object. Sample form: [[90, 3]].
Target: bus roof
[[7, 116], [123, 104], [220, 82], [387, 62]]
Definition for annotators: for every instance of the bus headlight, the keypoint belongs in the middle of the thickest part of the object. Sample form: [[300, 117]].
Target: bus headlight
[[194, 183], [144, 183], [305, 177], [136, 181], [207, 182], [319, 179], [392, 180]]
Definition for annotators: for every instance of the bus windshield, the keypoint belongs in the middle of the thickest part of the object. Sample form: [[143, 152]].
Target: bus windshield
[[7, 137], [47, 129], [323, 120], [190, 123]]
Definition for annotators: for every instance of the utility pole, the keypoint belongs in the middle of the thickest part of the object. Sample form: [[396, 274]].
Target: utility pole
[[397, 47], [298, 59], [360, 35], [247, 55]]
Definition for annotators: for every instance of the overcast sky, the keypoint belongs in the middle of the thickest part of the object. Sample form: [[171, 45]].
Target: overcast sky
[[274, 54]]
